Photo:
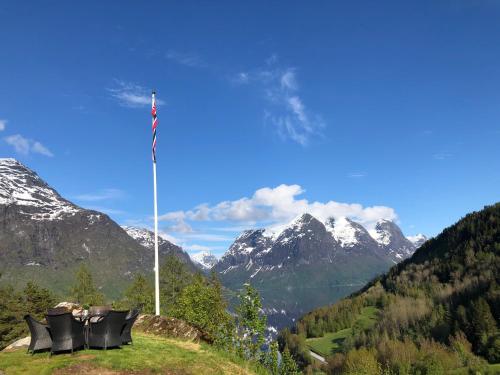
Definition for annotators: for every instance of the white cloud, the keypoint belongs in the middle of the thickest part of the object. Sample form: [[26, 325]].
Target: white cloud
[[357, 175], [288, 80], [104, 194], [287, 111], [207, 237], [3, 125], [442, 155], [26, 146], [38, 148], [187, 59], [199, 248], [276, 206], [132, 95]]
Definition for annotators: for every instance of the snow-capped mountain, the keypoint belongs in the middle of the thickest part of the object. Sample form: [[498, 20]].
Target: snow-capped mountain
[[204, 260], [390, 238], [146, 238], [22, 187], [44, 237], [309, 262], [417, 240]]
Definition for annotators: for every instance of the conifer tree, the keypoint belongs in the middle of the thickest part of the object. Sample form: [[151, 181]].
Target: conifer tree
[[251, 322], [37, 300], [174, 277], [288, 365], [140, 294], [84, 291]]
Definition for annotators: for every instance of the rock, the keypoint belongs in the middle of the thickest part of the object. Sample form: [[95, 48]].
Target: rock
[[170, 327], [74, 308], [21, 343]]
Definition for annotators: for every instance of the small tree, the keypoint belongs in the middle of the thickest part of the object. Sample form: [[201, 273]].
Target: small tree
[[251, 322], [140, 294], [361, 362], [84, 290], [271, 360], [11, 313], [288, 365], [37, 300], [202, 304], [174, 277], [483, 324]]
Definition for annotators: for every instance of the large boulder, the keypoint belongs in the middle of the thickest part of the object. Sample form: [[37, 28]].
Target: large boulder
[[18, 344], [169, 327]]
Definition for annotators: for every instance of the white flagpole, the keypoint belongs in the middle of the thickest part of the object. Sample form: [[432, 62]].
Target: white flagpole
[[157, 267]]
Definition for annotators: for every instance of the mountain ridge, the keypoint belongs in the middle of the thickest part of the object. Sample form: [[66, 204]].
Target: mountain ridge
[[45, 238], [333, 257]]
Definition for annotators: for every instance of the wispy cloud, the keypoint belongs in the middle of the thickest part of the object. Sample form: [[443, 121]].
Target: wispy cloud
[[208, 237], [187, 59], [274, 207], [357, 175], [285, 109], [198, 248], [132, 95], [25, 146], [3, 125], [442, 155], [101, 195]]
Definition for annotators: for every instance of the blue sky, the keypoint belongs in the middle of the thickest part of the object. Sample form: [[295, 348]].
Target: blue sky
[[369, 109]]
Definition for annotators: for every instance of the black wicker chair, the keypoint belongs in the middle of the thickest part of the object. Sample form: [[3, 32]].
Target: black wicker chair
[[40, 336], [106, 333], [129, 322], [96, 313], [66, 332]]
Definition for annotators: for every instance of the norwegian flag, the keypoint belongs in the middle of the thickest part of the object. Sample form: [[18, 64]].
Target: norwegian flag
[[155, 124]]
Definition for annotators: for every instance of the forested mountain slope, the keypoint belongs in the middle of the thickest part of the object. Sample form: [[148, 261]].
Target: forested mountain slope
[[440, 308]]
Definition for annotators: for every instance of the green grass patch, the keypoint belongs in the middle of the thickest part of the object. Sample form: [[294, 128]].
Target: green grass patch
[[332, 342], [148, 353]]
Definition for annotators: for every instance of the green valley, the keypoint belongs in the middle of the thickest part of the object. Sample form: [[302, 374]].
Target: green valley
[[436, 312], [331, 342]]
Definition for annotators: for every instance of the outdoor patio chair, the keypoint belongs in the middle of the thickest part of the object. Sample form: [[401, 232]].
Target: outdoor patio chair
[[66, 332], [40, 336], [106, 333], [129, 322], [96, 313]]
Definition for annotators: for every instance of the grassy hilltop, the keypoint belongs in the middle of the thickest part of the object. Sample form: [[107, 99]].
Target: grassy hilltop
[[149, 354]]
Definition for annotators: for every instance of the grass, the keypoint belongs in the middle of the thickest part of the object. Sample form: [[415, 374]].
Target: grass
[[332, 342], [490, 369], [148, 355]]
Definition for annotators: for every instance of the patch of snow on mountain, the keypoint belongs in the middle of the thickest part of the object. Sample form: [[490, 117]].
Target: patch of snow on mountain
[[144, 236], [22, 187], [383, 237], [343, 231], [418, 239], [204, 259]]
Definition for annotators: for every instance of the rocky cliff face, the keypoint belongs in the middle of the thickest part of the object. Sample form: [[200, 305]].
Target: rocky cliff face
[[44, 237], [309, 262]]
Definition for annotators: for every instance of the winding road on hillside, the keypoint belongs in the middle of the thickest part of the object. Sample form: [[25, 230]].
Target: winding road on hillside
[[317, 356]]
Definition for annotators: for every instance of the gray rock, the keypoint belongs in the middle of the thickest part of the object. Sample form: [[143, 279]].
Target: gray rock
[[19, 344]]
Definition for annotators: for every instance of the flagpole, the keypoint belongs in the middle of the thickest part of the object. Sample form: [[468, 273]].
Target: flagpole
[[157, 267]]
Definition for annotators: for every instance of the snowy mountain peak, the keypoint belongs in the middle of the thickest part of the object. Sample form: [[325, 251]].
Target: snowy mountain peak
[[345, 231], [22, 187], [204, 259], [384, 231], [417, 240], [144, 236]]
